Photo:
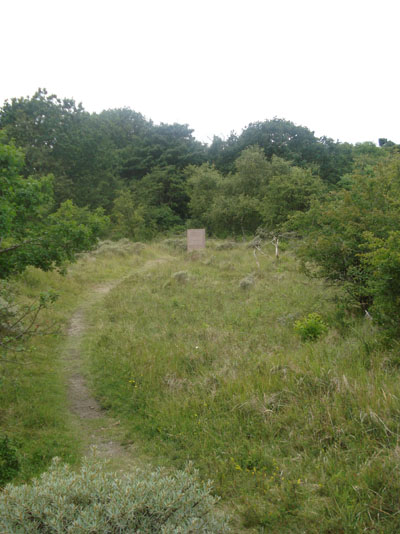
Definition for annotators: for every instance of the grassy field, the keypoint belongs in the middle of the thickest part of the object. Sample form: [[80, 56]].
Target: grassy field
[[199, 365], [198, 358], [33, 407]]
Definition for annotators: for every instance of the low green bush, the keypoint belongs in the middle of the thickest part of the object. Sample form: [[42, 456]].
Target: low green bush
[[311, 327], [96, 500]]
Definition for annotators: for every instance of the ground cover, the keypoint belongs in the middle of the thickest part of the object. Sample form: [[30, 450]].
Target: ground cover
[[198, 357], [34, 408]]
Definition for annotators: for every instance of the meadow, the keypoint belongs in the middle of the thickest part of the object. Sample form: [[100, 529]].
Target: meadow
[[197, 356]]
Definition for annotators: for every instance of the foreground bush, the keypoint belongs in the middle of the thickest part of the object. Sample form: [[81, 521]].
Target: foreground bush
[[94, 500]]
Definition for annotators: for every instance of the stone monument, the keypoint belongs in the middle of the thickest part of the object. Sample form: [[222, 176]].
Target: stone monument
[[196, 239]]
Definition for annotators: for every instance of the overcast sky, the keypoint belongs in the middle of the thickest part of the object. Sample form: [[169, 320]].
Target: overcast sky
[[330, 65]]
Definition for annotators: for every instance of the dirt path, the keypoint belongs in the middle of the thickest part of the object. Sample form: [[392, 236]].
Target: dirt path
[[94, 426]]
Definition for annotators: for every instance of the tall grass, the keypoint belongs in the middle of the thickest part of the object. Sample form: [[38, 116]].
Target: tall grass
[[299, 437], [33, 406]]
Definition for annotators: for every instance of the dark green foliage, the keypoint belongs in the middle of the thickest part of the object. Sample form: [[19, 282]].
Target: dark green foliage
[[352, 233], [92, 155], [31, 232], [382, 264], [59, 137], [290, 190], [202, 186], [164, 187], [282, 138], [9, 463], [259, 193], [132, 219]]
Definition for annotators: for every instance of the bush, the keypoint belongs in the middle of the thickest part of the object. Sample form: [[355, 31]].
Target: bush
[[94, 500], [382, 262], [311, 327], [9, 464]]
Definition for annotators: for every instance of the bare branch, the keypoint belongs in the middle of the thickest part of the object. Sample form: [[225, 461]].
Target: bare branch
[[19, 245], [255, 256]]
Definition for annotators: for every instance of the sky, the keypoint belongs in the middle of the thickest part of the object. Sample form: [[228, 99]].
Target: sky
[[216, 65]]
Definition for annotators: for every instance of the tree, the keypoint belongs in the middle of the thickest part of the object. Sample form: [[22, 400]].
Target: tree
[[253, 173], [381, 261], [163, 192], [283, 138], [131, 219], [235, 215], [340, 229], [157, 146], [290, 190], [259, 193], [30, 233], [203, 183], [60, 137]]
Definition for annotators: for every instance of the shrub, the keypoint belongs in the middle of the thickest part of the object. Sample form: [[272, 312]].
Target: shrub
[[247, 282], [9, 464], [181, 276], [311, 327], [95, 500]]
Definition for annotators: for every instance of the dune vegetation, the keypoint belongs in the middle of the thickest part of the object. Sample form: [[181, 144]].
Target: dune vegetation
[[269, 361], [297, 435]]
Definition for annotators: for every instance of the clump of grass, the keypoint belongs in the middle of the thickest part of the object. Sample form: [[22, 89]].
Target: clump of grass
[[122, 247], [225, 245], [181, 276], [175, 243], [247, 282]]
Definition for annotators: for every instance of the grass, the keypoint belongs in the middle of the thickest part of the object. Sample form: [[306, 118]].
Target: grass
[[33, 406], [297, 436]]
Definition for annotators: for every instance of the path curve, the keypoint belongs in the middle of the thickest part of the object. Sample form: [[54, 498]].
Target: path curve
[[95, 426]]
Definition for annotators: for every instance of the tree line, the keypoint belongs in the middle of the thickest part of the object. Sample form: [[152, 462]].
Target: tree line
[[120, 161], [68, 176]]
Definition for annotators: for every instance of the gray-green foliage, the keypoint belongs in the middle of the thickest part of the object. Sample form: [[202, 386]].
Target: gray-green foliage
[[96, 500]]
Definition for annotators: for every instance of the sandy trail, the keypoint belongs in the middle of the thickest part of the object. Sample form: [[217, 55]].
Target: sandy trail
[[94, 426]]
